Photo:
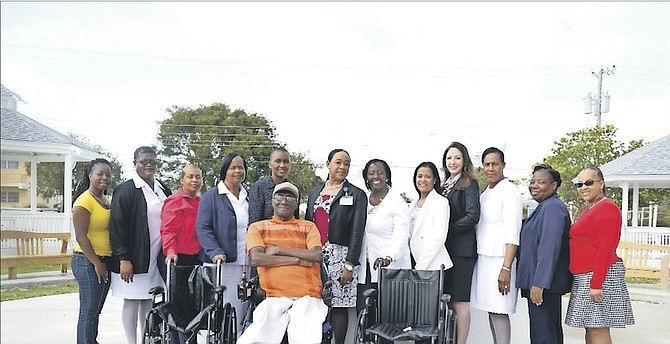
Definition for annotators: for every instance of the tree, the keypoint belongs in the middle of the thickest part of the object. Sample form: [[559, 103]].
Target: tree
[[583, 148], [302, 174], [50, 175], [203, 136]]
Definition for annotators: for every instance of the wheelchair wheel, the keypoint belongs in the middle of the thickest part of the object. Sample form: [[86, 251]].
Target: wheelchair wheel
[[155, 331], [361, 325], [228, 334]]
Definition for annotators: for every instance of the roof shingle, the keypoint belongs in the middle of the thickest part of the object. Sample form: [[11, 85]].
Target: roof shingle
[[652, 159], [18, 127]]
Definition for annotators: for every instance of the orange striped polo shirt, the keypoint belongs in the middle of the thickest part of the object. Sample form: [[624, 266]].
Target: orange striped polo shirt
[[290, 280]]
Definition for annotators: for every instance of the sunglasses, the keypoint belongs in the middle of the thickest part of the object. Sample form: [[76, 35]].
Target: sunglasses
[[587, 183]]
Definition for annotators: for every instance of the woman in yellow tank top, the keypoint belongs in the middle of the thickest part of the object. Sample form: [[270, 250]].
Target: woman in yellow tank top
[[92, 254]]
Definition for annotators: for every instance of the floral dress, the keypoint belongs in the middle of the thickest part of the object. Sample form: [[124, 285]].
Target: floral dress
[[334, 255]]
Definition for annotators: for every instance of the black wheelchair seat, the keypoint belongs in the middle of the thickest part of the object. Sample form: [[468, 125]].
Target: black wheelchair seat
[[408, 304]]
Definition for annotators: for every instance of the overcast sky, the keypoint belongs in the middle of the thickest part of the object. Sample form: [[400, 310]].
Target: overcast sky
[[396, 81]]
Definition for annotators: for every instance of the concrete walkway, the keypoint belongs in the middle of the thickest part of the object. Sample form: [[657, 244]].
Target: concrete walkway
[[52, 319]]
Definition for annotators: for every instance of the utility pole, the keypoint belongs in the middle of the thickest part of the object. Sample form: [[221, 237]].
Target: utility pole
[[601, 103]]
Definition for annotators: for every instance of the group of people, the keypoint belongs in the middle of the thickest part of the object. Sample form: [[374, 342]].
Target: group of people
[[489, 252]]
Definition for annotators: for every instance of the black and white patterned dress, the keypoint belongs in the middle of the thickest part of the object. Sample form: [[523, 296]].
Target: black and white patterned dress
[[613, 311]]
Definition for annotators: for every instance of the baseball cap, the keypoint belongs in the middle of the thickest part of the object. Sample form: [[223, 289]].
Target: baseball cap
[[286, 186]]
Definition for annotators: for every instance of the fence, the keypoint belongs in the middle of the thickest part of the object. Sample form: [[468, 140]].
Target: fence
[[47, 221]]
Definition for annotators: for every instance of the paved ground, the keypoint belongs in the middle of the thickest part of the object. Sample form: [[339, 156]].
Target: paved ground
[[52, 319]]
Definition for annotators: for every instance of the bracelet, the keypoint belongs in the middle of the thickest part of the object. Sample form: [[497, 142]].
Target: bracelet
[[506, 269]]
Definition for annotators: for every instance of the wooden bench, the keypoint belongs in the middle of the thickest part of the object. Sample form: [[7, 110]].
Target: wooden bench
[[636, 259], [30, 250]]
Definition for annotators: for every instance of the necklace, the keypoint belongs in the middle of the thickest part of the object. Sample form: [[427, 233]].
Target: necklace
[[334, 186], [420, 202], [377, 203], [375, 200], [373, 207], [595, 201], [103, 201]]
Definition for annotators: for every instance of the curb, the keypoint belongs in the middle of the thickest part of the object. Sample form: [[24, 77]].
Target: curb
[[648, 293], [36, 279]]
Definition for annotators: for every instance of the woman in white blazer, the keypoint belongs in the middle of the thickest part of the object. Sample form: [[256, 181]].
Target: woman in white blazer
[[429, 221], [386, 240]]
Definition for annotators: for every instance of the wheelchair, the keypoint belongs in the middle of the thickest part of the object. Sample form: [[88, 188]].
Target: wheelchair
[[192, 302], [408, 305], [251, 291]]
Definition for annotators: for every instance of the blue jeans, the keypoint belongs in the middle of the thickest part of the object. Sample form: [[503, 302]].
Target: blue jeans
[[92, 297]]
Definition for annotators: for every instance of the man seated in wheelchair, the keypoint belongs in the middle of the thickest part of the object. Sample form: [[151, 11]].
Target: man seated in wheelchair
[[287, 253]]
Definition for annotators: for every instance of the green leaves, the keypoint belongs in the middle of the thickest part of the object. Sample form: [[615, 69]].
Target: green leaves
[[203, 136], [583, 148]]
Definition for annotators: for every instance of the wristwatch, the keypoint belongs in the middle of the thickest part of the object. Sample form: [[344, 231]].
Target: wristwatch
[[348, 267]]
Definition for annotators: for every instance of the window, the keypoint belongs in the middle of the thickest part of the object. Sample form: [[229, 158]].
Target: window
[[9, 197], [9, 164]]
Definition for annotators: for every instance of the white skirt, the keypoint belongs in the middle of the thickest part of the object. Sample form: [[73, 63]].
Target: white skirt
[[484, 292], [138, 289]]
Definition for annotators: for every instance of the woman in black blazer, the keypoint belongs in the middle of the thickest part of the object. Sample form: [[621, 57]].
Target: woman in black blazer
[[462, 191], [339, 210]]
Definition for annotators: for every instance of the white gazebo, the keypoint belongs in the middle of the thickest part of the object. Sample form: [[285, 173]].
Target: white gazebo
[[647, 167], [24, 139]]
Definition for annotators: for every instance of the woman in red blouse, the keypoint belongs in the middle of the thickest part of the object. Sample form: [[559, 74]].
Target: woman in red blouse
[[180, 243], [599, 298]]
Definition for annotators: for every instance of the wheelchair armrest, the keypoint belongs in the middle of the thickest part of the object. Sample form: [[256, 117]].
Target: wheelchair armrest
[[156, 290], [370, 293]]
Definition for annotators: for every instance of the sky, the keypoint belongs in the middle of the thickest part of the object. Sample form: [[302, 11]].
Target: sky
[[391, 80]]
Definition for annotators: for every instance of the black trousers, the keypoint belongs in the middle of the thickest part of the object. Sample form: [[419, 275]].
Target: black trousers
[[546, 326]]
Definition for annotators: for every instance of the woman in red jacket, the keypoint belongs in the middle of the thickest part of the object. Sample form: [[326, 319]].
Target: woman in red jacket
[[599, 298]]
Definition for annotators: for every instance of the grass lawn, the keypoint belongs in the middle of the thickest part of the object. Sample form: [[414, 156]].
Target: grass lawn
[[71, 287], [38, 290], [33, 268]]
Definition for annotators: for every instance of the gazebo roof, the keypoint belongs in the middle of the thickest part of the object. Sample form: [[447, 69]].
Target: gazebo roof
[[21, 135], [647, 166]]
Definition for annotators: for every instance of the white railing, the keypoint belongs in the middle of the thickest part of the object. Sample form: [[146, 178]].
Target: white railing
[[646, 235], [48, 221], [650, 236], [646, 216], [34, 221]]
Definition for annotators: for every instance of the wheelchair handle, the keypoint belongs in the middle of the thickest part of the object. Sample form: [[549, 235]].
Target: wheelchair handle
[[219, 262], [170, 263]]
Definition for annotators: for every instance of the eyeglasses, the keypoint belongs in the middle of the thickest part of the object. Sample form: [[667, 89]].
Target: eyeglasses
[[152, 162], [587, 183], [287, 198]]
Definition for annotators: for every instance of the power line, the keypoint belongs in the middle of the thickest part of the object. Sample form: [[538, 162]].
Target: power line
[[444, 72]]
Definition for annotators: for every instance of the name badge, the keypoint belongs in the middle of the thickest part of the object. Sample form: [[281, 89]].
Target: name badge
[[347, 200]]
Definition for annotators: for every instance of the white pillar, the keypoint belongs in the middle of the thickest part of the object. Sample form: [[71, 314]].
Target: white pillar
[[67, 193], [33, 184], [624, 204], [636, 203]]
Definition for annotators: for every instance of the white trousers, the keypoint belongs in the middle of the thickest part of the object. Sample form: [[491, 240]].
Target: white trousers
[[302, 317]]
